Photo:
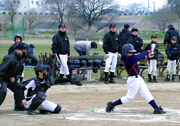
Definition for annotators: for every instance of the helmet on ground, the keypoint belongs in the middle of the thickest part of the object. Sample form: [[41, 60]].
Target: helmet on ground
[[128, 48]]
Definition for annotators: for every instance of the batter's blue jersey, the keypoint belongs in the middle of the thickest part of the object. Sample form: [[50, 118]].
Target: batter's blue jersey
[[130, 63]]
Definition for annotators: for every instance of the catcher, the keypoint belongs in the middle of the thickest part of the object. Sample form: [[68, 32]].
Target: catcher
[[37, 87]]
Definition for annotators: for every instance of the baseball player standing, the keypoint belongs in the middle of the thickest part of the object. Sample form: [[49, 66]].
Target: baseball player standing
[[60, 48], [135, 82], [172, 52], [152, 61], [171, 33], [111, 46], [135, 40], [124, 36]]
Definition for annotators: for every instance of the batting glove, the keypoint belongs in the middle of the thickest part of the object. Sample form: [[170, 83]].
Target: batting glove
[[54, 55]]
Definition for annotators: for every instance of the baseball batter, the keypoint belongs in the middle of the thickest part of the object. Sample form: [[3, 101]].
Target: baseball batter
[[135, 82]]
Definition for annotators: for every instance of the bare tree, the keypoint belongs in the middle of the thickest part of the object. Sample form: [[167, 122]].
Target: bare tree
[[134, 7], [32, 19], [12, 6], [93, 12], [57, 8], [175, 6], [161, 18]]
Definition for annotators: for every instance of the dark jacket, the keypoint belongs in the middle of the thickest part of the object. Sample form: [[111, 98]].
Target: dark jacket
[[12, 48], [11, 66], [137, 42], [60, 44], [169, 34], [111, 42], [172, 51], [155, 50]]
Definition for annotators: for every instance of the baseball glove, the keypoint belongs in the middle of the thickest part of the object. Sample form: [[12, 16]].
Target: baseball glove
[[76, 79]]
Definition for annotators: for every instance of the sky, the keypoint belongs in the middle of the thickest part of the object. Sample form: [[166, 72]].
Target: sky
[[158, 3]]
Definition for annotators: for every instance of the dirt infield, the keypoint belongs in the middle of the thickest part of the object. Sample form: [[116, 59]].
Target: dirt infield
[[85, 106]]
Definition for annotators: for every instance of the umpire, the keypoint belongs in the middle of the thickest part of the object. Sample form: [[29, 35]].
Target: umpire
[[124, 36], [171, 33], [111, 46], [11, 69]]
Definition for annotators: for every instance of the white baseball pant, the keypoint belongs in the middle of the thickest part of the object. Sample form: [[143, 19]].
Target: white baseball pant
[[179, 66], [136, 85], [171, 65], [62, 59], [45, 105], [152, 66], [112, 59]]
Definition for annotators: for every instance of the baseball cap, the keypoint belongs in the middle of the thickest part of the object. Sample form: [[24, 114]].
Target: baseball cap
[[126, 26], [61, 25], [174, 38], [112, 25], [134, 29], [153, 36]]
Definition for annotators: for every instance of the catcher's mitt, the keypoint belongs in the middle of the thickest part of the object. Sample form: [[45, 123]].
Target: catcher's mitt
[[76, 79]]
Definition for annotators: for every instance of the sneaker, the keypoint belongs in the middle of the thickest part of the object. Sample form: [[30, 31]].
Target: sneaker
[[167, 79], [173, 78], [30, 112], [159, 111], [109, 108], [112, 81], [20, 108], [106, 82], [150, 80]]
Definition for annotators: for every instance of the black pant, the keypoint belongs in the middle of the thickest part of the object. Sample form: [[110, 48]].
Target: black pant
[[14, 87]]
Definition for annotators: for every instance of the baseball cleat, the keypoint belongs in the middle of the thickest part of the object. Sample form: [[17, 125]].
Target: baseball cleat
[[112, 81], [109, 107], [106, 82], [30, 112], [159, 111]]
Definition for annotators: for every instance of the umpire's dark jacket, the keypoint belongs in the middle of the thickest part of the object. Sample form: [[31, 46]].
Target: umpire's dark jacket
[[155, 50], [173, 51], [169, 34], [12, 48], [60, 43], [137, 42], [111, 42], [11, 66]]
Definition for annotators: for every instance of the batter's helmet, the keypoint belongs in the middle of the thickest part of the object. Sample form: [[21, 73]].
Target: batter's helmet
[[128, 48], [17, 36], [39, 68]]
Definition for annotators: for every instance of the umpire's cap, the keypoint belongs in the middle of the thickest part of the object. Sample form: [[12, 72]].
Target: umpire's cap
[[174, 38], [126, 26], [128, 48], [21, 46], [61, 25], [153, 36], [17, 36], [112, 25], [134, 29]]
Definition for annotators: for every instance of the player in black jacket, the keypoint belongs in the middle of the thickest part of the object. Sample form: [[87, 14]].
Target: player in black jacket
[[11, 69], [171, 33], [172, 52], [124, 36], [111, 46], [60, 48], [152, 62], [135, 40]]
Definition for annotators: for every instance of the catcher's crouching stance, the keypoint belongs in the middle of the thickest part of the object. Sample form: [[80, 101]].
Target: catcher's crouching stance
[[37, 87], [135, 82]]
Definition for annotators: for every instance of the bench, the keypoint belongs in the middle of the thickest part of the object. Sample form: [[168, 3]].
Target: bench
[[93, 39], [82, 69]]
